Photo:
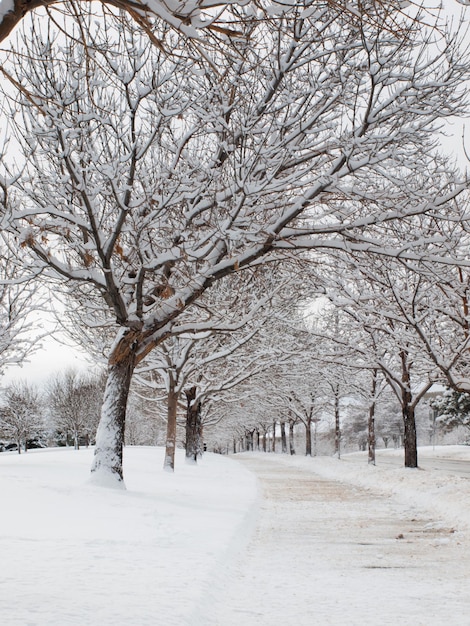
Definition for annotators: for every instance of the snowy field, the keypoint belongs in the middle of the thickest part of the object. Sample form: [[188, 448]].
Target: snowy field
[[167, 549]]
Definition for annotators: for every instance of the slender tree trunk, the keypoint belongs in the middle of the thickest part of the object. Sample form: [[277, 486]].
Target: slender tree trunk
[[337, 428], [170, 447], [200, 435], [409, 439], [264, 440], [257, 440], [308, 438], [193, 425], [409, 424], [107, 462], [283, 438], [371, 434], [371, 421], [273, 447], [291, 437]]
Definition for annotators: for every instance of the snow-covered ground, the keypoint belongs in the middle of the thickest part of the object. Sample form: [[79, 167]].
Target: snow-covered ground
[[173, 548]]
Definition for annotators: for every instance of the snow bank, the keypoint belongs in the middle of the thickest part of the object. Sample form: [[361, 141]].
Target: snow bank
[[74, 554]]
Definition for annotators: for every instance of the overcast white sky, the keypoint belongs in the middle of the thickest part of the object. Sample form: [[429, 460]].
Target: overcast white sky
[[52, 358]]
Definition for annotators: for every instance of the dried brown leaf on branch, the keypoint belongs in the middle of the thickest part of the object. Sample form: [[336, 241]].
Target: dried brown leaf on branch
[[143, 12]]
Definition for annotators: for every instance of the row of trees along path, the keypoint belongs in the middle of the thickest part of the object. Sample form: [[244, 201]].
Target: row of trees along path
[[137, 185], [323, 551]]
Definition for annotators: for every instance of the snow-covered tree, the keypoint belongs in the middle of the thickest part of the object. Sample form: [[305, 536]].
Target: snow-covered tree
[[440, 317], [380, 298], [195, 367], [149, 177], [19, 299], [21, 416], [145, 422], [191, 18], [75, 401], [452, 409]]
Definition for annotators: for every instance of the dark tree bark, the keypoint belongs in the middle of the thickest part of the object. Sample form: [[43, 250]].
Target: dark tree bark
[[371, 421], [193, 426], [170, 447], [308, 437], [371, 434], [283, 437], [337, 426], [408, 411], [409, 435]]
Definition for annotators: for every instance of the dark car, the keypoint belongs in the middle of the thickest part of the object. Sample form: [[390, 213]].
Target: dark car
[[34, 443], [11, 446]]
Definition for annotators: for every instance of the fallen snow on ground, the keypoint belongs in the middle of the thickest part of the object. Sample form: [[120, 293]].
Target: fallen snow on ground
[[163, 551], [76, 554]]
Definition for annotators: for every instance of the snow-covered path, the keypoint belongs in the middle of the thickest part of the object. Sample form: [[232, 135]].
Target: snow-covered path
[[329, 553]]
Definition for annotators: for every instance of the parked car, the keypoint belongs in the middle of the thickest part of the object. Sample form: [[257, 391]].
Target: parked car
[[35, 443], [11, 446]]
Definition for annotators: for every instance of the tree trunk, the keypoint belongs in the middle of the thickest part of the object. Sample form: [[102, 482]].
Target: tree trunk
[[408, 412], [337, 428], [107, 462], [308, 438], [273, 447], [170, 448], [371, 421], [283, 438], [409, 439], [291, 437], [371, 434], [193, 426]]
